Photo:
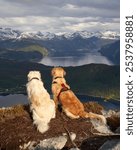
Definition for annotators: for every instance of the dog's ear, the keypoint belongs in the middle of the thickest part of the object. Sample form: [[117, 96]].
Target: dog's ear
[[29, 75], [53, 72]]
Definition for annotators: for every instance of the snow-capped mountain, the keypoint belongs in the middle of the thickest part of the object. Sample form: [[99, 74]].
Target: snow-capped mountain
[[82, 34], [86, 35], [13, 43], [8, 33], [110, 35], [36, 35]]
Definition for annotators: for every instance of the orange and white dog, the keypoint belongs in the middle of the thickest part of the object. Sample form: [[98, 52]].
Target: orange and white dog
[[71, 105], [42, 107]]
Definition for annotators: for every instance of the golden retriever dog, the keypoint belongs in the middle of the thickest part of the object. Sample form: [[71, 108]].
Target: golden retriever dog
[[71, 105], [42, 107]]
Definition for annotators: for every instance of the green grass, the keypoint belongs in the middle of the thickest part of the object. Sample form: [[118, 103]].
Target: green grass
[[37, 48]]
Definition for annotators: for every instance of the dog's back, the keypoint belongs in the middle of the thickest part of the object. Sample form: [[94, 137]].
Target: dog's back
[[70, 102], [42, 107]]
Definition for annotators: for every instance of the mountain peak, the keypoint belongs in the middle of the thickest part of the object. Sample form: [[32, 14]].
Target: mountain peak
[[110, 34], [8, 33]]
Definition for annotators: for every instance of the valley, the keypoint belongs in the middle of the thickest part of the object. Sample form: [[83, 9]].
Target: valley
[[90, 59], [35, 46]]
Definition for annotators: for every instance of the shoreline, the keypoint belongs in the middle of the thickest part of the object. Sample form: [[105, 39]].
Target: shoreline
[[10, 100]]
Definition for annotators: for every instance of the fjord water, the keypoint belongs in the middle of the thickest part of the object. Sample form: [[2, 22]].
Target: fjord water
[[75, 60], [11, 100], [15, 99]]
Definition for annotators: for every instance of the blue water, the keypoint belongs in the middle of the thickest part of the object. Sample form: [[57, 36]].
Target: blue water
[[10, 100], [76, 60], [108, 104]]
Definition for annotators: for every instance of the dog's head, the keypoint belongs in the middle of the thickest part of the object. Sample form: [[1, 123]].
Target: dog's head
[[58, 72], [34, 74]]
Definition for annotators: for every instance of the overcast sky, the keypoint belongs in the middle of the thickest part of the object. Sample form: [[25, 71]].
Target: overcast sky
[[60, 15]]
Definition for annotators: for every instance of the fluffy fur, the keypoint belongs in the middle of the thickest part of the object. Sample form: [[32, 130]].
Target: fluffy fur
[[42, 107], [70, 103]]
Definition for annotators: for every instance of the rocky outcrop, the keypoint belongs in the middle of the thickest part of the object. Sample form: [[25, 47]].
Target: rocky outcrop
[[18, 132], [111, 145], [55, 143], [101, 128]]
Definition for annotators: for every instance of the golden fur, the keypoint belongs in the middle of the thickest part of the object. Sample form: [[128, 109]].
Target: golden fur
[[42, 107], [70, 103]]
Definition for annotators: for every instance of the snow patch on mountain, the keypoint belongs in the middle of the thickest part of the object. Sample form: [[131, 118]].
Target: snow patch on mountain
[[8, 33], [110, 35], [86, 35]]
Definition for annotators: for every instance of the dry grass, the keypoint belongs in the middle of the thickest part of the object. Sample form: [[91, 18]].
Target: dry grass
[[16, 127], [93, 107], [12, 112], [20, 110]]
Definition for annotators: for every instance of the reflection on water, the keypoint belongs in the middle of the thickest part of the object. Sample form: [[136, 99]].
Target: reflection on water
[[75, 60], [10, 100]]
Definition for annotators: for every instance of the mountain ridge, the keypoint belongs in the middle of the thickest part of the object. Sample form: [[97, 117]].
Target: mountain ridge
[[8, 33], [112, 52], [62, 45]]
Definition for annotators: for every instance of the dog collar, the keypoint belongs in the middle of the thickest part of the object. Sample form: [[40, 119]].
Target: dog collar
[[34, 78], [64, 88]]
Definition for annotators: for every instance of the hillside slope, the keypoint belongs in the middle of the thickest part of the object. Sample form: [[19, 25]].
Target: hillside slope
[[18, 131], [22, 50], [112, 52], [67, 44], [93, 79]]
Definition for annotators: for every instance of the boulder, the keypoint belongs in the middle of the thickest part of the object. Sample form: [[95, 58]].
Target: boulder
[[111, 145], [101, 127], [46, 144], [52, 143], [110, 113]]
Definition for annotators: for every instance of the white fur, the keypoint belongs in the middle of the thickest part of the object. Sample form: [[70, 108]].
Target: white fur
[[42, 107], [69, 114], [104, 121]]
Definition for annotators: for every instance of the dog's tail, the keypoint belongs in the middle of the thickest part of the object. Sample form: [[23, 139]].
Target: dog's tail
[[84, 114], [42, 125]]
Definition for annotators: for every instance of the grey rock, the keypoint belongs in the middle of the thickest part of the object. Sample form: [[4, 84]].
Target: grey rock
[[74, 149], [29, 145], [71, 134], [100, 127], [52, 143], [117, 130], [110, 113], [111, 145]]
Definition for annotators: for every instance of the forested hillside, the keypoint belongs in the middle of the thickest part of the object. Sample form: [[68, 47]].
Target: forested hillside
[[93, 79]]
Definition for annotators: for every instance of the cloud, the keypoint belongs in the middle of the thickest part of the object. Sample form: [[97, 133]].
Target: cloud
[[59, 24], [60, 15]]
